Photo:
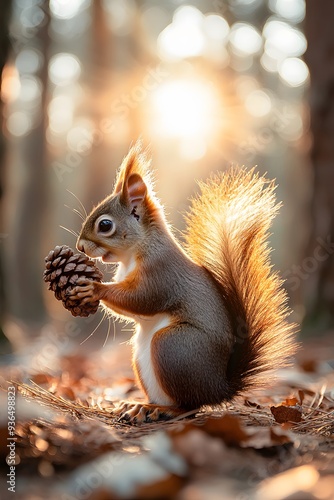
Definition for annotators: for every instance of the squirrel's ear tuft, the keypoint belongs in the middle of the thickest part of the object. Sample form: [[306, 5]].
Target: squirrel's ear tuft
[[134, 190], [136, 162]]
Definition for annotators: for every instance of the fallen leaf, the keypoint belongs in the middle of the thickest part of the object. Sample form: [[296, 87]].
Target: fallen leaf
[[66, 392], [227, 427], [309, 365], [290, 402], [199, 449], [41, 378], [283, 414], [266, 437], [301, 395]]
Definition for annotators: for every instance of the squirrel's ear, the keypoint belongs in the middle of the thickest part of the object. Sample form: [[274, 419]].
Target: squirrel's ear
[[134, 190]]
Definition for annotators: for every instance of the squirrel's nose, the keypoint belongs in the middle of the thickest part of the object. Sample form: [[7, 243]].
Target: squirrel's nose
[[80, 246]]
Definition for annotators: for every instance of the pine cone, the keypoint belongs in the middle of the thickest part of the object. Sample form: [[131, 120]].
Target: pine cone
[[63, 268]]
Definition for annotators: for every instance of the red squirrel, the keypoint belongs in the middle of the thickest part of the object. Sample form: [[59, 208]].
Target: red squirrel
[[210, 315]]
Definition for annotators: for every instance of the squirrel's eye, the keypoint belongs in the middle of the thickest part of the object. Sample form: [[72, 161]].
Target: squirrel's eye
[[105, 226]]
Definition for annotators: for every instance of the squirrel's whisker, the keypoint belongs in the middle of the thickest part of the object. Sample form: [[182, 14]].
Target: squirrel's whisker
[[76, 212], [108, 332], [91, 334], [114, 323], [71, 231], [80, 202]]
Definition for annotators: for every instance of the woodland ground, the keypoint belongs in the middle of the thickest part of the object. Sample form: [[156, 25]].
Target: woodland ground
[[277, 443]]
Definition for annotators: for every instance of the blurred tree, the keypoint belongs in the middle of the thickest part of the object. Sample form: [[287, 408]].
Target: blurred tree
[[4, 50], [319, 260], [27, 263]]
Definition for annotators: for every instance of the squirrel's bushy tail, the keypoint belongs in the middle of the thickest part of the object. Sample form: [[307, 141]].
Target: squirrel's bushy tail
[[228, 229]]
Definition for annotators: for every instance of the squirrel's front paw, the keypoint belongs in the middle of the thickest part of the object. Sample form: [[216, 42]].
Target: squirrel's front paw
[[85, 291]]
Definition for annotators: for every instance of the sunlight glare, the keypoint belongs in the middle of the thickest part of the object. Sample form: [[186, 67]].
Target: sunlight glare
[[185, 109], [192, 150]]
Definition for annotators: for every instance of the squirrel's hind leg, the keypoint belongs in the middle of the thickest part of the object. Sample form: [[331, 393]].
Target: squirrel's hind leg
[[139, 413], [190, 365]]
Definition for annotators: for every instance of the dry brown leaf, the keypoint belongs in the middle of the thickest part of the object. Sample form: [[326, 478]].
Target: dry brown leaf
[[301, 395], [266, 437], [228, 428], [199, 449], [41, 378], [290, 402], [165, 488], [309, 365], [283, 414], [279, 437], [66, 392]]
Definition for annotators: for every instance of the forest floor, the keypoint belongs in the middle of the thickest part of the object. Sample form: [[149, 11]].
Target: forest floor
[[273, 444]]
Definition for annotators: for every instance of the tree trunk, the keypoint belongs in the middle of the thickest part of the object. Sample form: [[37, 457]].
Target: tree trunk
[[4, 49], [27, 263], [319, 261]]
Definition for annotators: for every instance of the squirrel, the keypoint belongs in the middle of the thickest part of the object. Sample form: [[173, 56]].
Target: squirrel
[[211, 316]]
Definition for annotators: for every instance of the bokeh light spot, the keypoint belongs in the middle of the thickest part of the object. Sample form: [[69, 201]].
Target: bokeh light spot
[[293, 71], [10, 85], [216, 27], [63, 9], [292, 10], [283, 40], [80, 138], [184, 37], [258, 103], [60, 111], [31, 89], [64, 68], [19, 123], [245, 39], [29, 61]]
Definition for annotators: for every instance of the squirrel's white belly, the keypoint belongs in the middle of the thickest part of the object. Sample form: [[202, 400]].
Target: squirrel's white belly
[[146, 329]]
